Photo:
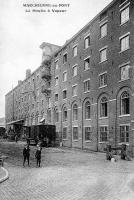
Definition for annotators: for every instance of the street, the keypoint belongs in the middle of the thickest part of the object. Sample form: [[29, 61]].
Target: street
[[66, 174]]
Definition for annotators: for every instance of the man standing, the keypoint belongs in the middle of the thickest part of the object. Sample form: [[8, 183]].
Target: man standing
[[26, 154]]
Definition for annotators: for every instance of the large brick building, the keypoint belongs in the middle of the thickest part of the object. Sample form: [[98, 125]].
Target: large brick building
[[85, 87]]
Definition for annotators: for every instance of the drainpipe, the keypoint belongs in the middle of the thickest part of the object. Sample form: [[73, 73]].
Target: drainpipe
[[71, 125], [97, 113], [82, 128], [116, 125]]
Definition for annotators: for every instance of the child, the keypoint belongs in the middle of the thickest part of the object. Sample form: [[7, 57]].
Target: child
[[38, 155]]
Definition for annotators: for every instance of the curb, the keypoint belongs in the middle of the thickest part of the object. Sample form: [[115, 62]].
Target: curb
[[6, 176]]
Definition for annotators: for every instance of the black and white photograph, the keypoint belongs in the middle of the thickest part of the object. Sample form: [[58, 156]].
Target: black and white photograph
[[67, 100]]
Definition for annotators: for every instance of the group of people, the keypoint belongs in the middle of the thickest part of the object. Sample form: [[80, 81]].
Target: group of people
[[26, 155]]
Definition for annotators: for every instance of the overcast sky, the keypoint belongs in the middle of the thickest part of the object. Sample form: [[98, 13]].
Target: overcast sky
[[21, 34]]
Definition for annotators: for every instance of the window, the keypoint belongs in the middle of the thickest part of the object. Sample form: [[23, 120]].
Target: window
[[124, 15], [49, 116], [103, 107], [124, 72], [37, 78], [87, 42], [28, 96], [103, 79], [49, 101], [103, 30], [125, 103], [56, 81], [74, 51], [124, 43], [87, 110], [64, 58], [37, 118], [56, 115], [87, 133], [42, 102], [74, 90], [86, 85], [75, 112], [103, 54], [56, 64], [124, 133], [37, 105], [64, 133], [38, 92], [74, 70], [103, 134], [64, 94], [64, 76], [75, 133], [86, 64], [64, 114], [56, 97]]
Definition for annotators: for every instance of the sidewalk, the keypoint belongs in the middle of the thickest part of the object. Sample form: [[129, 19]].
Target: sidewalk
[[3, 174], [66, 174]]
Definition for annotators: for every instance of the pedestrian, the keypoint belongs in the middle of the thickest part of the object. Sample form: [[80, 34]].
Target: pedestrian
[[16, 138], [26, 154], [38, 155]]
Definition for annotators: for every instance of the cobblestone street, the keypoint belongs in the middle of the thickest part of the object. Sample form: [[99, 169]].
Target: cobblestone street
[[67, 174]]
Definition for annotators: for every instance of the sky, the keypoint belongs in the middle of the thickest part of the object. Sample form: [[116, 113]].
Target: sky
[[21, 34]]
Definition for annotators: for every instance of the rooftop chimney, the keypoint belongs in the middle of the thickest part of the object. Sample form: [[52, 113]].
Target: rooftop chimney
[[19, 82]]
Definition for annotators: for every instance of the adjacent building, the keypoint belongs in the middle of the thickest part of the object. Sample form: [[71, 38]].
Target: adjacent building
[[85, 87]]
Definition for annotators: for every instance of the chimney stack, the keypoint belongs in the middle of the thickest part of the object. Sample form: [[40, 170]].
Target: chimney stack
[[48, 50], [19, 82]]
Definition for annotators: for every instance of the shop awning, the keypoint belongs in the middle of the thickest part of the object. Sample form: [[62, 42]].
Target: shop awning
[[42, 120], [20, 121]]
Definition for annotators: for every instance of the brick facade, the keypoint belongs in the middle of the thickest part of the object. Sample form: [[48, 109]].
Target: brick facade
[[99, 62]]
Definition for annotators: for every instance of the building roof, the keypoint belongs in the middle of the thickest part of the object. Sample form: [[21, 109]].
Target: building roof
[[88, 24]]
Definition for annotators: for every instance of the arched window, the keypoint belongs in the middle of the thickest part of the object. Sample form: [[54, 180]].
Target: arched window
[[75, 112], [64, 114], [103, 107], [125, 103], [56, 115], [87, 110]]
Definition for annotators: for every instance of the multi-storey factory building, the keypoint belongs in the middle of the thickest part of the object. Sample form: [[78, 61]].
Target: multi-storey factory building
[[85, 87]]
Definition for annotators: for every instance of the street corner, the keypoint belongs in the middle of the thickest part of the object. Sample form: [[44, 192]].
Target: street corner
[[4, 175]]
